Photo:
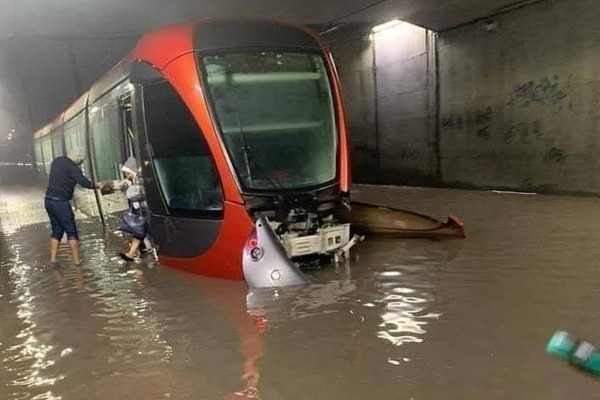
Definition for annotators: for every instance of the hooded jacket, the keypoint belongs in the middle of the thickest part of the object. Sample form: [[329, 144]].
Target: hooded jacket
[[64, 175], [134, 190]]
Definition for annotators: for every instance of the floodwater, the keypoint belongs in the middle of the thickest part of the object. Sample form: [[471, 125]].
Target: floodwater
[[405, 319]]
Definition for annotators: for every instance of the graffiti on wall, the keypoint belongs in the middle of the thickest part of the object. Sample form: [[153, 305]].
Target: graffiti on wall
[[523, 132], [515, 123], [478, 120], [555, 155], [407, 153], [483, 124], [548, 92]]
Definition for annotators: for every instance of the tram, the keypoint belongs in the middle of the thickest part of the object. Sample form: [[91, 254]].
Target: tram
[[238, 128]]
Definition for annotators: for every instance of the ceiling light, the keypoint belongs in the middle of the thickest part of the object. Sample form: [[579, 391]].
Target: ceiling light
[[386, 25]]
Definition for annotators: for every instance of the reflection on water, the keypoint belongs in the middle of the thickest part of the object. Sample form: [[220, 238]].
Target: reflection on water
[[404, 312], [403, 319], [30, 357]]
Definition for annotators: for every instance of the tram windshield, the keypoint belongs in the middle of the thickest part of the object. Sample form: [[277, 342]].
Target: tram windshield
[[275, 112]]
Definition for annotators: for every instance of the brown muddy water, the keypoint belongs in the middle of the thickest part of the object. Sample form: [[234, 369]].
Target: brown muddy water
[[405, 319]]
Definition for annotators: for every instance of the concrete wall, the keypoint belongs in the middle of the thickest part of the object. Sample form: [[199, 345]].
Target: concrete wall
[[14, 110], [354, 60], [517, 106], [386, 79], [520, 106]]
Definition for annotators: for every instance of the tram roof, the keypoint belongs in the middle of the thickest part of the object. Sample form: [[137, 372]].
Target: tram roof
[[161, 46]]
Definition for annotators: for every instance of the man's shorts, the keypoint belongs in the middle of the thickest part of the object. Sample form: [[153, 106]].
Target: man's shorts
[[61, 219]]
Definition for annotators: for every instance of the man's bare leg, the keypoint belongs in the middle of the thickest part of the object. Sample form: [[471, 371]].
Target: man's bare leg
[[135, 244], [53, 249], [74, 247]]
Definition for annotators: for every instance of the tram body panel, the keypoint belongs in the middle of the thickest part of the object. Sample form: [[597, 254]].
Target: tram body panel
[[160, 47], [224, 258], [181, 237], [182, 73], [203, 238], [345, 173]]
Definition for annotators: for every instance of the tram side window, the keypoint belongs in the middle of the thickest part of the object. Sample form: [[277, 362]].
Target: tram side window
[[106, 136], [39, 160], [74, 132], [57, 143], [47, 152], [181, 155]]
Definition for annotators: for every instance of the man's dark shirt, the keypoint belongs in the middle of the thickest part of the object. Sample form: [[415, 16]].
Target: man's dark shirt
[[64, 175]]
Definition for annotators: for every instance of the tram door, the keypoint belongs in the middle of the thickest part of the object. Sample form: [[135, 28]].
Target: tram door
[[182, 187]]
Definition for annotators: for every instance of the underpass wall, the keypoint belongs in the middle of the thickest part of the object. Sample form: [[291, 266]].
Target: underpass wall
[[520, 100], [386, 79]]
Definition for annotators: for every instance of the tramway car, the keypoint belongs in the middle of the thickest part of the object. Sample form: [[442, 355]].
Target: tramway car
[[238, 128]]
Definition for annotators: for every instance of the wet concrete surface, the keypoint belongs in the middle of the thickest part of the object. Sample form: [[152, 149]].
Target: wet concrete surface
[[405, 319]]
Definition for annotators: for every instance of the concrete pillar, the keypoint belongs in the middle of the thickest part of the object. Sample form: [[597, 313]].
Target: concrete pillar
[[390, 98]]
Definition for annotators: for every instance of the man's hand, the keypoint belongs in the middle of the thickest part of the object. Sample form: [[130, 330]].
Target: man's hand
[[98, 185]]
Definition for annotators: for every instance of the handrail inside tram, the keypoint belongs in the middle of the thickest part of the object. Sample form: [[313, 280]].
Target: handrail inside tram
[[221, 78], [291, 126]]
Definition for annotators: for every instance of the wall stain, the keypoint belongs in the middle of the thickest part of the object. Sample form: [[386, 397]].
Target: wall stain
[[408, 153], [484, 133], [483, 124], [555, 155], [484, 117], [523, 132], [446, 123], [478, 120], [546, 92]]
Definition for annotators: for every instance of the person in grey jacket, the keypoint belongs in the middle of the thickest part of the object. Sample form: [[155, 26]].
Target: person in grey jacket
[[137, 206]]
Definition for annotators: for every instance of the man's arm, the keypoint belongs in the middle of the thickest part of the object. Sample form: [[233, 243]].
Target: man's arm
[[111, 187], [82, 180]]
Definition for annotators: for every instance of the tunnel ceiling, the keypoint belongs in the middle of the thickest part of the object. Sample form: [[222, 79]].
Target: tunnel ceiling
[[92, 18], [53, 50]]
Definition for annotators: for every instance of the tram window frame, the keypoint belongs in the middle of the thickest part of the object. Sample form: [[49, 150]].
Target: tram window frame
[[39, 156], [46, 142], [106, 136], [57, 143], [151, 137], [75, 128], [208, 95]]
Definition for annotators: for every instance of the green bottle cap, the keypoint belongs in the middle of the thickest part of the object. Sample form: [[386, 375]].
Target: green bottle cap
[[561, 345]]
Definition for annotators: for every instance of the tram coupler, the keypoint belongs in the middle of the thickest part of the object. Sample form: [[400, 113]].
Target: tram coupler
[[344, 252]]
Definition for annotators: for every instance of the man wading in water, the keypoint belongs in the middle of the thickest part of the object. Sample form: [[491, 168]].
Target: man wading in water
[[64, 175]]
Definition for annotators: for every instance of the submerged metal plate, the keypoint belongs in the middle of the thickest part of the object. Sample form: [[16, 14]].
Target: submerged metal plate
[[266, 264]]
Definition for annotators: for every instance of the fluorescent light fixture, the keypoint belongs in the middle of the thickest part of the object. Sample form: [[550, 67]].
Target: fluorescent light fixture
[[386, 25]]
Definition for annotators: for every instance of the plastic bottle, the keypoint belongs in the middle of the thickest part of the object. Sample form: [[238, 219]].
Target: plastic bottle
[[578, 353]]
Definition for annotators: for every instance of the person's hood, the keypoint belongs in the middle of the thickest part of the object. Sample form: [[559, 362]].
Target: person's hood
[[76, 154], [130, 166]]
